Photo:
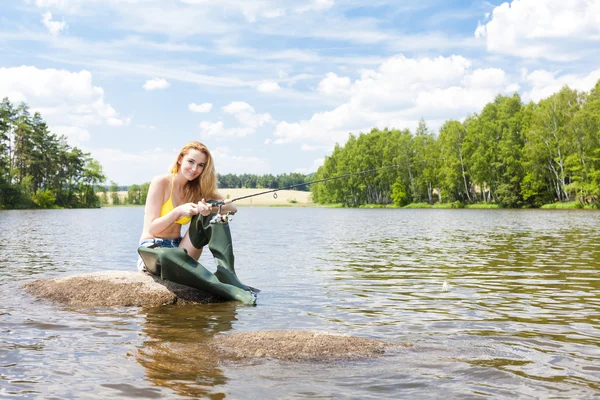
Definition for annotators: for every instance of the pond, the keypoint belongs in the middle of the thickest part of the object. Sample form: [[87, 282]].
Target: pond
[[494, 303]]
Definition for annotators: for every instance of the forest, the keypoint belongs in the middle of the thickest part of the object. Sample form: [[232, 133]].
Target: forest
[[510, 154], [38, 169]]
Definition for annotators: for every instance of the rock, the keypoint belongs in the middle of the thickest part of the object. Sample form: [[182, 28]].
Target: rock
[[116, 288], [294, 345]]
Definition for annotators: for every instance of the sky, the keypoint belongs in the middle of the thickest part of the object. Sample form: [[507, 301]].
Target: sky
[[271, 85]]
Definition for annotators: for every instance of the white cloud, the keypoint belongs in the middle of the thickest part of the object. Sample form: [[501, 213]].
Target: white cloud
[[156, 83], [397, 95], [316, 5], [54, 27], [309, 147], [200, 108], [545, 83], [278, 12], [55, 4], [313, 168], [333, 85], [208, 129], [129, 168], [63, 98], [278, 18], [227, 162], [552, 29], [246, 115], [75, 136], [236, 107], [118, 121], [268, 87]]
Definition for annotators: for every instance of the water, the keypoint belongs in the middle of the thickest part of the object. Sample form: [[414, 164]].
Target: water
[[495, 303]]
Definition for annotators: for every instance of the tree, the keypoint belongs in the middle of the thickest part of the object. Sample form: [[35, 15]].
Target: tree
[[114, 195], [548, 145], [454, 176], [134, 194], [92, 176]]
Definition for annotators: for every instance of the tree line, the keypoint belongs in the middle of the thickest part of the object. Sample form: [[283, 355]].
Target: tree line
[[511, 154], [266, 181], [136, 194], [38, 169]]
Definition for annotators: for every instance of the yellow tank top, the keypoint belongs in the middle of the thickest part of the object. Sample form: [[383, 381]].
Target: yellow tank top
[[168, 207]]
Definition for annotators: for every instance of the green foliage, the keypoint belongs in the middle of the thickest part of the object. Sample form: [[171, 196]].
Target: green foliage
[[454, 204], [372, 206], [230, 181], [134, 194], [44, 198], [113, 193], [398, 194], [418, 205], [102, 194], [482, 205], [38, 168], [509, 155], [25, 192], [569, 205]]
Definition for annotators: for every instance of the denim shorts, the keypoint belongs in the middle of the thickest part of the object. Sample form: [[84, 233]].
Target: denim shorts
[[156, 243]]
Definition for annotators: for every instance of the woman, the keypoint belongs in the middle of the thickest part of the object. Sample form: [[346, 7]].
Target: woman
[[175, 197]]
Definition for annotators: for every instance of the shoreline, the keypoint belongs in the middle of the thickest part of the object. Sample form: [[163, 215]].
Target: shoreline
[[298, 198], [285, 198]]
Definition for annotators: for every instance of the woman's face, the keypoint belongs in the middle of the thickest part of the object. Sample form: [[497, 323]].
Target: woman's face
[[192, 164]]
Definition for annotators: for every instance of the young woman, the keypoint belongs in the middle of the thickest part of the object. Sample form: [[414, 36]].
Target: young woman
[[175, 197]]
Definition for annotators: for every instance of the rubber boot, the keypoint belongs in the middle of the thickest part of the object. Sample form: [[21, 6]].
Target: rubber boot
[[174, 264], [218, 238]]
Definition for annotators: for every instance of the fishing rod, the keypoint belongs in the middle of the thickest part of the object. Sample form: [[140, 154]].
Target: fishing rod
[[229, 201]]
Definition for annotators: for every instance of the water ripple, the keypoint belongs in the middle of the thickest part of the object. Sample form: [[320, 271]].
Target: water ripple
[[495, 303]]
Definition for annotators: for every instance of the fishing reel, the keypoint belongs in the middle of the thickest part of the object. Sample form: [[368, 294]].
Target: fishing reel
[[221, 218]]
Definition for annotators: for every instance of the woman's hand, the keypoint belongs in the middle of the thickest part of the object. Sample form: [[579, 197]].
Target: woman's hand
[[188, 210], [204, 208]]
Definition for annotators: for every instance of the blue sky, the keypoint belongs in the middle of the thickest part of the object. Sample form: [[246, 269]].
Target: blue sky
[[271, 86]]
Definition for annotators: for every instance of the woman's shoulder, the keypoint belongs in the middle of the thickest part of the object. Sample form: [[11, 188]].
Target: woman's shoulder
[[161, 180]]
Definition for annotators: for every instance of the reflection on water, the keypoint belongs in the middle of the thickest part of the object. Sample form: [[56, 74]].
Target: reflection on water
[[497, 303], [175, 353]]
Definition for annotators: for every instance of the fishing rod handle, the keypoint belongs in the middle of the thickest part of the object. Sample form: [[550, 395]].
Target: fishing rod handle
[[221, 202]]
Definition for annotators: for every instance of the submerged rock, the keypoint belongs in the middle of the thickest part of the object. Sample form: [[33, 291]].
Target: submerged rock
[[295, 345], [116, 288]]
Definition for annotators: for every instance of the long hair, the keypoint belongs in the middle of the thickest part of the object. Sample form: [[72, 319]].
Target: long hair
[[205, 185]]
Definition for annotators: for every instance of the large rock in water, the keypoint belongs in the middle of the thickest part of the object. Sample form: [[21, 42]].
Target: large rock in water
[[295, 345], [116, 288]]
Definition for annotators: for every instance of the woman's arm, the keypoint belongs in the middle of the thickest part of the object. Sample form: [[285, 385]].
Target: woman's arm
[[227, 207]]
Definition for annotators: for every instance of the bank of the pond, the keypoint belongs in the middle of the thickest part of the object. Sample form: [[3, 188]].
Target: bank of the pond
[[570, 205], [562, 206], [436, 205], [297, 198]]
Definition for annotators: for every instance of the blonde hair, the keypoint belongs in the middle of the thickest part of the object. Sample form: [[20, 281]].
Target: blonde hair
[[205, 185]]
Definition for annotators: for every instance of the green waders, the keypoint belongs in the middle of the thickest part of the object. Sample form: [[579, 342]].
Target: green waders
[[174, 264]]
